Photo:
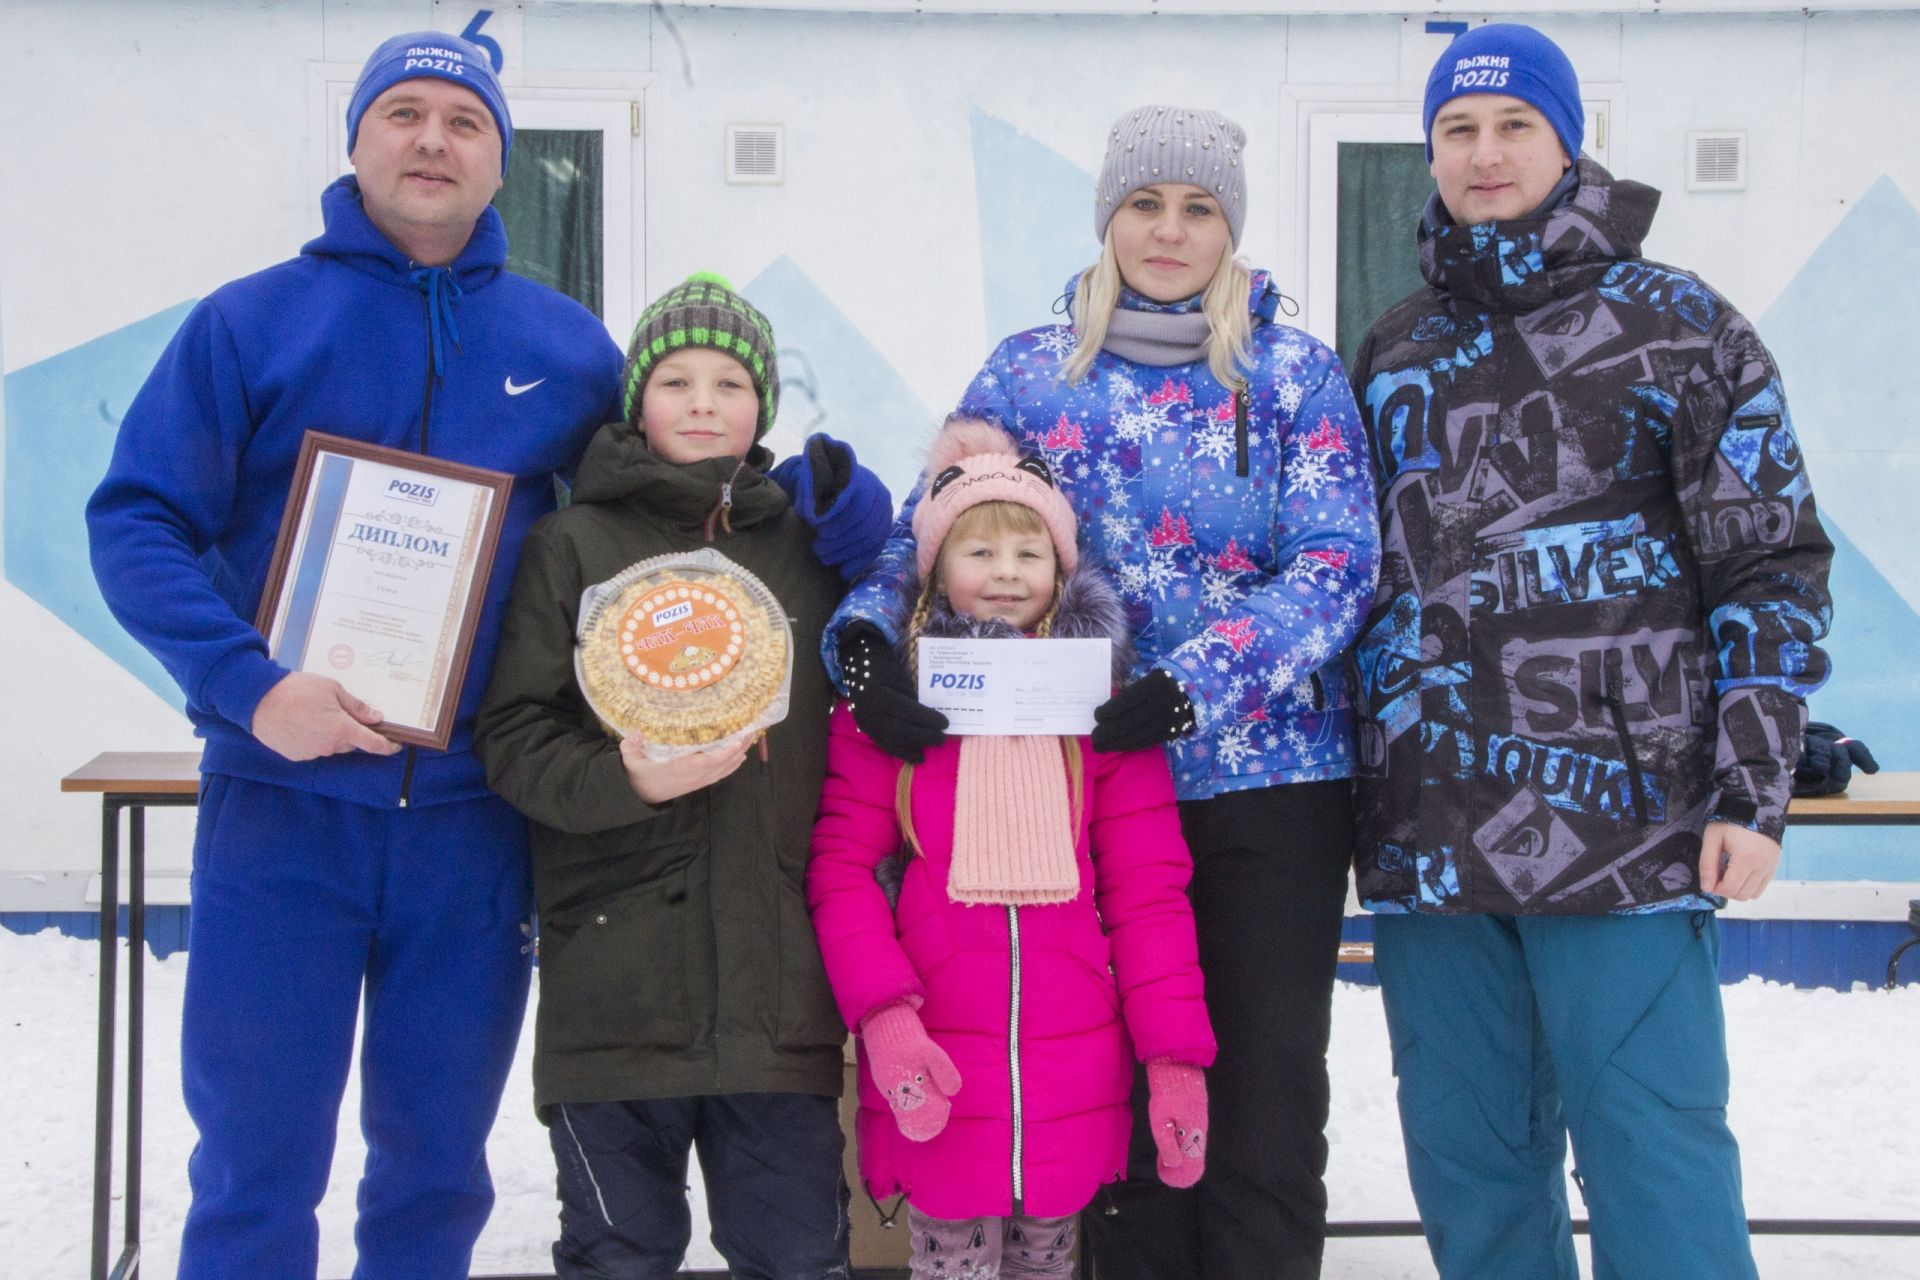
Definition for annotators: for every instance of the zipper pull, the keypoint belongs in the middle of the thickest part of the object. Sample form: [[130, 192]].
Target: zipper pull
[[722, 512], [406, 779]]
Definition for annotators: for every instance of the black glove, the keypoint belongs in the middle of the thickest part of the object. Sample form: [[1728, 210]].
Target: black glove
[[1827, 761], [830, 465], [1151, 710], [882, 697]]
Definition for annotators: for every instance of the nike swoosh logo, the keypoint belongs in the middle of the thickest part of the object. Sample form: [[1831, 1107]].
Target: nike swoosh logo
[[514, 391]]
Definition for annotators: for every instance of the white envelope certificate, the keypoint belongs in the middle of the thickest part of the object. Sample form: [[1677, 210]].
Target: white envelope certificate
[[1026, 686]]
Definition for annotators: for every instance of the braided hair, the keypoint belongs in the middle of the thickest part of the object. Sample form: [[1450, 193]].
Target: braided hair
[[986, 518]]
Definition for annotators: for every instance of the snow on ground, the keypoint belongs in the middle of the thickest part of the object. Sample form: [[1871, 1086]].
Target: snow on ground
[[1825, 1105]]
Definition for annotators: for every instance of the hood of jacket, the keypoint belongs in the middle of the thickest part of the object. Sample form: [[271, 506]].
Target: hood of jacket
[[351, 237], [1520, 264], [619, 467], [1090, 609], [1263, 299]]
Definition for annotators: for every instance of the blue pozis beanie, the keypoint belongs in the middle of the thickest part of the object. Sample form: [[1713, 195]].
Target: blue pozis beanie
[[435, 54], [1505, 57]]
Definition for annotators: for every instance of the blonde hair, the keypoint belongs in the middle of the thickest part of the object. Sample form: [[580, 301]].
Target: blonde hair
[[993, 519], [987, 519], [1223, 302]]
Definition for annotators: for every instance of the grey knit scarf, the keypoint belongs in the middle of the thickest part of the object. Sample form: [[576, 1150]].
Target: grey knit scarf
[[1159, 338]]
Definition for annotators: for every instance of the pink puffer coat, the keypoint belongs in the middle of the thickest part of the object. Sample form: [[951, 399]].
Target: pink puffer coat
[[1043, 1008]]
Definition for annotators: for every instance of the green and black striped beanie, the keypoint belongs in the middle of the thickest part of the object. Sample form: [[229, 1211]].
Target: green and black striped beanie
[[703, 311]]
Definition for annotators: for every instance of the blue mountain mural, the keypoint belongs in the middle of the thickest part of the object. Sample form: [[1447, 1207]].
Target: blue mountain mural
[[1842, 332], [62, 416], [832, 379], [1036, 225]]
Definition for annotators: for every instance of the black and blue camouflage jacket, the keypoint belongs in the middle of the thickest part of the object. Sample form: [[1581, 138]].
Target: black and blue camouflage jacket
[[1603, 580]]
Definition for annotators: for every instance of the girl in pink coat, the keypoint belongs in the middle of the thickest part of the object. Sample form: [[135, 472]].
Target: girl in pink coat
[[1037, 940]]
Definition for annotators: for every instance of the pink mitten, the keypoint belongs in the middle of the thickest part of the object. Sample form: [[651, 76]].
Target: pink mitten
[[1177, 1109], [913, 1072]]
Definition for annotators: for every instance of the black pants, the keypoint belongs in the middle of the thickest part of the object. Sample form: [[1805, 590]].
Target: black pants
[[1269, 891], [775, 1194]]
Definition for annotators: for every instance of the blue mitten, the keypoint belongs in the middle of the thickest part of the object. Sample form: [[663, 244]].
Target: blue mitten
[[847, 506]]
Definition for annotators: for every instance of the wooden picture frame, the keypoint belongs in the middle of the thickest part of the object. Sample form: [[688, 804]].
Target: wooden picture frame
[[379, 574]]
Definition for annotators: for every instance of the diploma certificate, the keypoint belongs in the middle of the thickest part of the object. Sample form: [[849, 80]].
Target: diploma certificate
[[378, 577], [1028, 686]]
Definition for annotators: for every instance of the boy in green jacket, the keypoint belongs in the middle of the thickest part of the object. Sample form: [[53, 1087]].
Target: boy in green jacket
[[682, 998]]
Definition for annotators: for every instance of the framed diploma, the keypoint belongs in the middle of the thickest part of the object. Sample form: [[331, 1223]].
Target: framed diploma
[[379, 574]]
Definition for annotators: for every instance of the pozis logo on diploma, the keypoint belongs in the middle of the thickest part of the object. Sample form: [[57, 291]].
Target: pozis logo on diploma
[[1016, 686]]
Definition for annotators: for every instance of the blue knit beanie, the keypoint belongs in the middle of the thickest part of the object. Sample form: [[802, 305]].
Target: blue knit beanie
[[1505, 57], [435, 54]]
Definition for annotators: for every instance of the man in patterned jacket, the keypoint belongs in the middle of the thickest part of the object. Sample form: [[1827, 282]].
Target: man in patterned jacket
[[1603, 582]]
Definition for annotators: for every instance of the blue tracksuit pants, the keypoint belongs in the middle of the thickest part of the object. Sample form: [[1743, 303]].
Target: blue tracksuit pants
[[302, 906], [1512, 1034]]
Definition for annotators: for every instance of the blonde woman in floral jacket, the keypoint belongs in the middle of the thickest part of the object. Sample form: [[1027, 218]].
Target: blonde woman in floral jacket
[[1214, 459]]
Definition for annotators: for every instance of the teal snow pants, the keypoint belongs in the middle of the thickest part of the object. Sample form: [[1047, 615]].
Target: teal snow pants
[[1512, 1034]]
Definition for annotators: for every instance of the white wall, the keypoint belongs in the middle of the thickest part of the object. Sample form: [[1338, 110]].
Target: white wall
[[153, 150]]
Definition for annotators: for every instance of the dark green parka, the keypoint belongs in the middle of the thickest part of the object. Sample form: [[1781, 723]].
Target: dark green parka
[[676, 955]]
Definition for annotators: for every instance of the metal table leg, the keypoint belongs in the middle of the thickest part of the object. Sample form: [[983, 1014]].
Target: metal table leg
[[129, 1263], [103, 1060]]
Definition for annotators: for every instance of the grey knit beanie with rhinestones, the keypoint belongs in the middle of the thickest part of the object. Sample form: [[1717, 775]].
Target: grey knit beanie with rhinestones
[[1173, 144], [703, 311]]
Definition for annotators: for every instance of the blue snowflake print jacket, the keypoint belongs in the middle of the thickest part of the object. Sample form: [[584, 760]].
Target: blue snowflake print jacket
[[1245, 546]]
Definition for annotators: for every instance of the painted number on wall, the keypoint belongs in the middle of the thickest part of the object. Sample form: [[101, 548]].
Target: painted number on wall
[[488, 43]]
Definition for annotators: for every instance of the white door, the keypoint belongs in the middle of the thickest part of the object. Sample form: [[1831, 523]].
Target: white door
[[591, 145]]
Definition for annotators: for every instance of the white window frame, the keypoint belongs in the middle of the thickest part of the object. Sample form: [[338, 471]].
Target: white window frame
[[1316, 119], [612, 103]]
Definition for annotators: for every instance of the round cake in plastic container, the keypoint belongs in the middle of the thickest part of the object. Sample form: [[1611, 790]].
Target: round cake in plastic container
[[688, 651]]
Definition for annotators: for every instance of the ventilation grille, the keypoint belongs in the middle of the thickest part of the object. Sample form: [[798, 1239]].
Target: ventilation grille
[[1717, 160], [756, 153]]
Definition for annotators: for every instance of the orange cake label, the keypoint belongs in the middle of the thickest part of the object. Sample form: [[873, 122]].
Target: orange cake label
[[681, 635]]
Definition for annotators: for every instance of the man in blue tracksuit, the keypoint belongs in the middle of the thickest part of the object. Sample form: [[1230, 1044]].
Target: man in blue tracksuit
[[329, 863], [1582, 683]]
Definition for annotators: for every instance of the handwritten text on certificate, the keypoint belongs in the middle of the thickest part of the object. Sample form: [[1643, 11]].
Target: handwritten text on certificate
[[1016, 686]]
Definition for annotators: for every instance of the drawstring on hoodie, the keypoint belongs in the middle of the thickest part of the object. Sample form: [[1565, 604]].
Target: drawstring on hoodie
[[723, 510], [442, 292], [887, 1216]]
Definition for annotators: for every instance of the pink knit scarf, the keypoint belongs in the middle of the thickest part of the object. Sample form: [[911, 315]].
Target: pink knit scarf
[[1013, 836]]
